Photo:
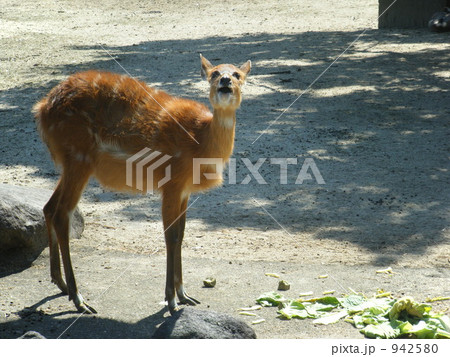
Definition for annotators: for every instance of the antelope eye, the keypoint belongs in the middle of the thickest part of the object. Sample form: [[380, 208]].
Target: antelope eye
[[215, 74], [236, 75]]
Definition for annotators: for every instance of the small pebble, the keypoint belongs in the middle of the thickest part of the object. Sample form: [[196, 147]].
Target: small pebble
[[209, 282], [283, 285]]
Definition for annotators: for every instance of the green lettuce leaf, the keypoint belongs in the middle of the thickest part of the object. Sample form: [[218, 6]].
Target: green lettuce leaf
[[352, 302], [379, 317], [407, 306], [311, 308], [432, 327], [294, 309], [271, 299], [388, 329], [331, 318]]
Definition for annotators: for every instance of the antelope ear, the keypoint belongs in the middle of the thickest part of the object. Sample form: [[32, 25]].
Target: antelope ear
[[246, 67], [206, 67]]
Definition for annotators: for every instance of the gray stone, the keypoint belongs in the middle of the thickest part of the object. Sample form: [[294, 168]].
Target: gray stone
[[22, 222], [440, 21], [191, 323], [31, 335]]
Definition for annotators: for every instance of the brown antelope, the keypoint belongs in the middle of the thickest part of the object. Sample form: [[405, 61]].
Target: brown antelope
[[94, 122]]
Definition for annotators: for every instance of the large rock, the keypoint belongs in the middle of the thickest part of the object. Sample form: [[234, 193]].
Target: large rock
[[22, 222], [194, 323], [31, 335]]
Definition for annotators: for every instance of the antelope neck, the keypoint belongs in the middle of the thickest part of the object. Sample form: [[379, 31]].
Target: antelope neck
[[225, 118]]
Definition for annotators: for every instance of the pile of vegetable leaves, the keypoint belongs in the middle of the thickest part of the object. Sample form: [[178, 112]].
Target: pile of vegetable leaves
[[377, 317]]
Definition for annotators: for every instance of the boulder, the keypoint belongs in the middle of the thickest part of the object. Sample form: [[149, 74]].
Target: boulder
[[22, 222], [191, 323], [31, 335]]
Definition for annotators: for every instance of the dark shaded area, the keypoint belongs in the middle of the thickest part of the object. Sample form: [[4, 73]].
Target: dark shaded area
[[403, 185], [16, 260], [86, 326], [408, 13]]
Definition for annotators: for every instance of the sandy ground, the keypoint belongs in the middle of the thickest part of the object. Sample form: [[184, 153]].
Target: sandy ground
[[375, 123]]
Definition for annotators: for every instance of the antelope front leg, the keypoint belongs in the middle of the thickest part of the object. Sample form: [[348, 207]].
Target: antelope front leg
[[174, 215], [178, 277], [171, 236], [171, 210], [174, 279]]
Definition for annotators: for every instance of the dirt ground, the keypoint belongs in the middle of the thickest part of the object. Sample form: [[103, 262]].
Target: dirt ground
[[375, 123]]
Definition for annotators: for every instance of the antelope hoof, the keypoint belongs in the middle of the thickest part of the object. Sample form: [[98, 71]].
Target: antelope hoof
[[187, 300], [173, 307], [86, 309], [82, 307]]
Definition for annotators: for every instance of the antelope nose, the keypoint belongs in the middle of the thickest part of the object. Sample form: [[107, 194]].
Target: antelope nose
[[225, 81]]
